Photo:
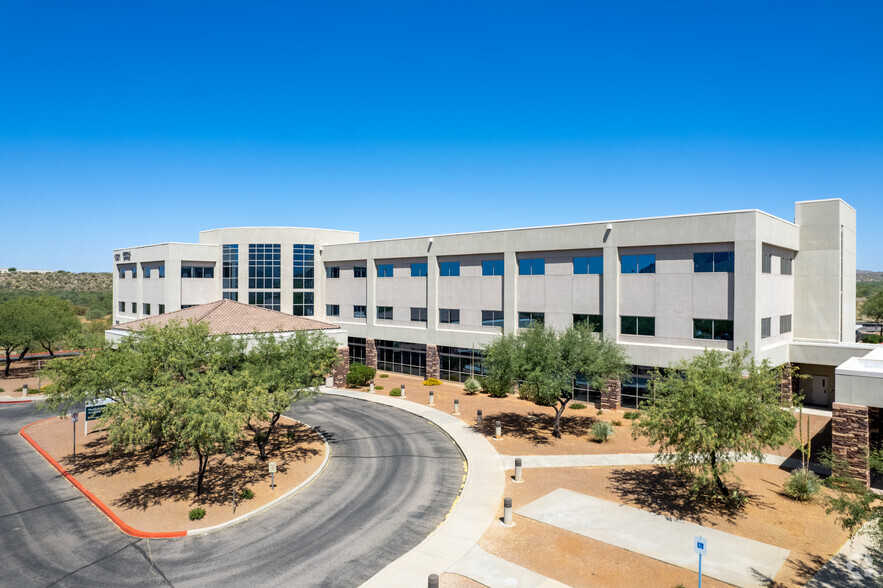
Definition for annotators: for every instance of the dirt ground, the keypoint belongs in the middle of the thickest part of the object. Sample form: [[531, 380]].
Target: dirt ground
[[770, 516], [527, 427], [21, 373], [156, 496]]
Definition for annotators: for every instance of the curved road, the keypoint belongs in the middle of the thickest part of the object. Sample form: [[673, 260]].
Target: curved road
[[391, 480]]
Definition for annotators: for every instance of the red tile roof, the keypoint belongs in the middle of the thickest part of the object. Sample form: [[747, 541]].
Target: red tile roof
[[234, 318]]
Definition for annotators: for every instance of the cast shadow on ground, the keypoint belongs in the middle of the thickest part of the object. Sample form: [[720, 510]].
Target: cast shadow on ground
[[536, 427], [664, 491]]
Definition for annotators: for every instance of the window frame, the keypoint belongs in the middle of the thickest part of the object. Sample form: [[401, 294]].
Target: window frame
[[384, 310], [385, 270], [449, 269], [332, 272], [489, 267], [419, 269], [421, 314], [449, 316], [360, 311], [532, 266], [332, 310]]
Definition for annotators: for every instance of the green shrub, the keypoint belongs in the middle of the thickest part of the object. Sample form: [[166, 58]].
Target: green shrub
[[431, 382], [378, 387], [616, 423], [196, 514], [246, 494], [496, 388], [600, 412], [631, 415], [393, 392], [384, 375], [601, 431], [260, 437], [873, 339], [802, 485], [577, 406], [471, 386], [359, 375], [291, 435]]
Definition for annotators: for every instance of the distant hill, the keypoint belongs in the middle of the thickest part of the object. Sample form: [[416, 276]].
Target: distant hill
[[54, 281], [867, 276], [90, 293]]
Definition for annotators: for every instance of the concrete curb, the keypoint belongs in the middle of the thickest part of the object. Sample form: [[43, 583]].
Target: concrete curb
[[128, 530], [29, 400], [473, 512]]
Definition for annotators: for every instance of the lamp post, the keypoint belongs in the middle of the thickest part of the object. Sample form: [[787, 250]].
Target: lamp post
[[74, 418]]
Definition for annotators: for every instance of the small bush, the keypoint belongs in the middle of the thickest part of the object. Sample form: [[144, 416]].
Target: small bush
[[291, 435], [802, 485], [616, 423], [378, 387], [359, 375], [196, 514], [260, 437], [600, 412], [471, 386], [631, 415], [601, 431], [496, 388], [873, 339], [384, 375], [431, 382], [393, 392], [246, 494], [577, 406]]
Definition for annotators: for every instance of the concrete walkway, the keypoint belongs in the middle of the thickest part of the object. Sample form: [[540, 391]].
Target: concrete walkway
[[852, 566], [471, 515], [496, 572], [730, 558], [630, 459]]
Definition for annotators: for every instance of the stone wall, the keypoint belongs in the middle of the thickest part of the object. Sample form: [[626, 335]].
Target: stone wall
[[339, 371], [371, 353], [786, 386], [611, 395], [850, 437], [432, 362]]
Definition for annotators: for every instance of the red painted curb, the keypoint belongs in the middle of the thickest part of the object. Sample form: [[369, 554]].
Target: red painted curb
[[2, 402], [101, 506]]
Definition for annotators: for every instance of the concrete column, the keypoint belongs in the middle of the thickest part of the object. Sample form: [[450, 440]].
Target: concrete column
[[432, 362], [342, 368], [510, 289], [371, 353], [611, 395], [850, 437], [610, 286]]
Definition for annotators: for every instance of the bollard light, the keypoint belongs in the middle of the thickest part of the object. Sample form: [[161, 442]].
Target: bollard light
[[403, 391], [456, 406], [499, 430], [518, 470], [431, 398], [507, 511], [478, 417], [371, 387], [433, 580]]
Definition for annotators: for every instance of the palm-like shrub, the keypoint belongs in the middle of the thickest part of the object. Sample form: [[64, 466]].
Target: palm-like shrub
[[802, 485], [601, 431]]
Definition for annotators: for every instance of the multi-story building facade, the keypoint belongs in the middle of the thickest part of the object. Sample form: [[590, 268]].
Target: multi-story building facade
[[665, 288]]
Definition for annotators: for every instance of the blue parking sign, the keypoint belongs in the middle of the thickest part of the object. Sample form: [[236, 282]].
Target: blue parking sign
[[700, 545]]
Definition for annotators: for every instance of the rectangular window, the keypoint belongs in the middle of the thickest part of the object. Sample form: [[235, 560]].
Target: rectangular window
[[134, 308], [492, 318], [719, 261], [162, 271], [638, 264], [459, 363], [492, 267], [162, 309], [122, 271], [332, 272], [269, 300], [703, 262], [384, 270], [532, 267], [358, 349], [146, 269], [360, 271], [302, 304], [360, 312], [145, 308], [230, 268], [332, 310], [594, 322], [303, 259], [183, 306], [785, 323], [418, 270], [786, 266], [264, 267], [401, 357], [638, 325], [765, 327], [135, 272], [767, 263], [529, 319], [230, 296], [450, 316], [722, 330], [449, 268], [588, 265], [384, 313], [418, 315], [724, 261], [122, 306], [196, 271]]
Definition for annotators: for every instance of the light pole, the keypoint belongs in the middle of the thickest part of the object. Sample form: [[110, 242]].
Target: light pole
[[74, 418]]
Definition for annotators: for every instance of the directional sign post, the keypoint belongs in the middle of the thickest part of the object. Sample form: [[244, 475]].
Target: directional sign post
[[94, 411], [699, 546]]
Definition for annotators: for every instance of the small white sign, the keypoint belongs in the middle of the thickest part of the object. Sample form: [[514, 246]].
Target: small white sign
[[272, 467], [700, 545]]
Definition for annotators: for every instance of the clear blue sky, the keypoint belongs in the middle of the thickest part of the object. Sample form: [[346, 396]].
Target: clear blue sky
[[128, 123]]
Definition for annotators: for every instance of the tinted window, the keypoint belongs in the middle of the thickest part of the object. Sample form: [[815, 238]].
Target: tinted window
[[449, 316], [418, 269], [703, 262], [332, 272], [594, 322], [360, 271], [646, 264], [532, 267], [449, 268], [418, 315], [629, 264], [360, 312], [724, 261], [384, 270], [492, 267], [492, 318]]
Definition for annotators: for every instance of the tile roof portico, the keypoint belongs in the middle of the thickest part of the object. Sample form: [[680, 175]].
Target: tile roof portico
[[233, 318]]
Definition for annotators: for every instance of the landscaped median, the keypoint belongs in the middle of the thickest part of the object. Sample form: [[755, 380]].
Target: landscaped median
[[152, 498]]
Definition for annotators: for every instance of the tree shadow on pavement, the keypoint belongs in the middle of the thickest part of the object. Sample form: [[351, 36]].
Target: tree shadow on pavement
[[662, 490], [536, 427]]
